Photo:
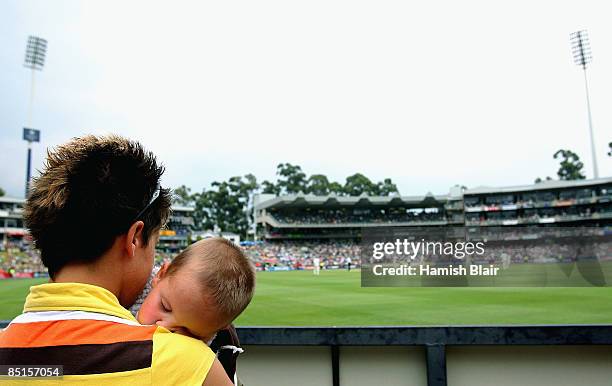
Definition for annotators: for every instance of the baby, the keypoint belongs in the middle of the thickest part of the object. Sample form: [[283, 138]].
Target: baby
[[200, 292]]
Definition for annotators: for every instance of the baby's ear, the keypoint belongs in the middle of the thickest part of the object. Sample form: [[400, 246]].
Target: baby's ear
[[161, 273]]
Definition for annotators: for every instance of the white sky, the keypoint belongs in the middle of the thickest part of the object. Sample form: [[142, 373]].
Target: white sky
[[431, 94]]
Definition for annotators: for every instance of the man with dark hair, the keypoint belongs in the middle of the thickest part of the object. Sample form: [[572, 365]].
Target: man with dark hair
[[95, 213]]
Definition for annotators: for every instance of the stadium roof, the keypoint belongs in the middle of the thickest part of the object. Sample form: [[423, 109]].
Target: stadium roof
[[307, 200], [266, 201], [544, 185]]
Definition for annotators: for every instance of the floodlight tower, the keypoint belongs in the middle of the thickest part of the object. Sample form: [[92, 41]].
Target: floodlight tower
[[581, 50], [34, 60]]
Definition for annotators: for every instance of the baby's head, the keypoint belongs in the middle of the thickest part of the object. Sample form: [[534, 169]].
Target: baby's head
[[201, 291]]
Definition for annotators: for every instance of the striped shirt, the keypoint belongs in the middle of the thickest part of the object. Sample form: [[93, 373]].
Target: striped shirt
[[84, 328]]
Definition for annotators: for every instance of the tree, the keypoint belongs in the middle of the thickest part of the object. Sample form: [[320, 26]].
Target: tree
[[220, 207], [610, 146], [1, 192], [570, 167], [182, 196], [387, 187], [318, 184], [245, 188], [202, 214], [336, 188], [226, 205], [270, 188], [358, 184], [538, 180], [292, 180]]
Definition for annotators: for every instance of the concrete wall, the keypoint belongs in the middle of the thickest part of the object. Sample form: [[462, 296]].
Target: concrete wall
[[466, 366], [529, 365]]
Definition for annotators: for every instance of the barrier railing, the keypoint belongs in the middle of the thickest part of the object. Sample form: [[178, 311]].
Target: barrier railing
[[433, 339]]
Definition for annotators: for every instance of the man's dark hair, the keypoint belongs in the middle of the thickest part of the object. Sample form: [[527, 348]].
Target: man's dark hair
[[90, 192]]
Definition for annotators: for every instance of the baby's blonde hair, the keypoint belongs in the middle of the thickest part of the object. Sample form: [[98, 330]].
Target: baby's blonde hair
[[226, 274]]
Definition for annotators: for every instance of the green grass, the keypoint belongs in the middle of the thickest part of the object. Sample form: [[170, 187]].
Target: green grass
[[12, 295], [335, 298]]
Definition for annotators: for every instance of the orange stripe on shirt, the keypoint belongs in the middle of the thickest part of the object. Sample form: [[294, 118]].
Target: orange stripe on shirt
[[72, 332]]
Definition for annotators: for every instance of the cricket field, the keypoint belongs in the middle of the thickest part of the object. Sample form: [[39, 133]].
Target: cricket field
[[336, 298]]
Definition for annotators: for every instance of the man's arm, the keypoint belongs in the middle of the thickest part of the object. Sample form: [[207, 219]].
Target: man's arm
[[227, 346], [217, 376]]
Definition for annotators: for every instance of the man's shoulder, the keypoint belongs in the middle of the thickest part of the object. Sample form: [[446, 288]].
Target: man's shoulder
[[180, 359], [166, 340]]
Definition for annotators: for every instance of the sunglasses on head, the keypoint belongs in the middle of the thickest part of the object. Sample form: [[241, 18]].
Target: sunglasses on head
[[156, 194]]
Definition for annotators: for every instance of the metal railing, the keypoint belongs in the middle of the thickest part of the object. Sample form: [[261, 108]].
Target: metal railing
[[434, 339]]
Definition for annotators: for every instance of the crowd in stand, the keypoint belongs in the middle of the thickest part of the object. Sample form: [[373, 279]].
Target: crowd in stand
[[534, 215], [300, 254], [381, 217], [21, 259], [507, 253], [18, 258], [518, 253], [343, 216], [336, 254], [547, 198], [293, 255]]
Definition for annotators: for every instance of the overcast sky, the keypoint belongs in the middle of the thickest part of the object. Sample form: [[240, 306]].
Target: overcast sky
[[430, 94]]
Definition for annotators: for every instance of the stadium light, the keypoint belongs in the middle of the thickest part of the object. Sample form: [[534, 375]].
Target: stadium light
[[36, 51], [581, 50]]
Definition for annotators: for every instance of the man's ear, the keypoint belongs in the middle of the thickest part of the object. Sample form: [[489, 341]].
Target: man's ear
[[133, 239], [161, 273]]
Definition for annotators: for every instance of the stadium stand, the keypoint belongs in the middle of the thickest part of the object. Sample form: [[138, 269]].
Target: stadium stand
[[176, 234], [295, 228], [17, 258], [11, 223], [582, 202]]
